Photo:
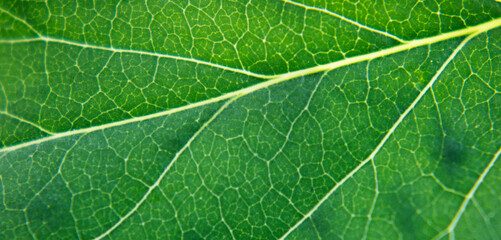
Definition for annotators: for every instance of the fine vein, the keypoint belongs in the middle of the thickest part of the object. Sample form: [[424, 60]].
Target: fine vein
[[386, 137]]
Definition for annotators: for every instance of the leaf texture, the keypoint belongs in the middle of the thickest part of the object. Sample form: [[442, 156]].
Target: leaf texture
[[250, 119]]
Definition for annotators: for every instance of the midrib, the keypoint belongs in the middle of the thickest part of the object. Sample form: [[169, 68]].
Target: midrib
[[275, 79]]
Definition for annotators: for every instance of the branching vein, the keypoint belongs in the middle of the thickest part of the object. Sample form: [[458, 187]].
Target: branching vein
[[468, 198], [278, 79], [386, 137]]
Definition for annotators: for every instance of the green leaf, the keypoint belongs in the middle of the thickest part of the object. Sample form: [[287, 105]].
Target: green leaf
[[250, 119]]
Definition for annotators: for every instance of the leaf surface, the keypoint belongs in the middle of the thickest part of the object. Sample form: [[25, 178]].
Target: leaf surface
[[250, 120]]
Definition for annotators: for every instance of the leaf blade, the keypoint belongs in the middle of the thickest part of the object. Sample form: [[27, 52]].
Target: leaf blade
[[138, 164]]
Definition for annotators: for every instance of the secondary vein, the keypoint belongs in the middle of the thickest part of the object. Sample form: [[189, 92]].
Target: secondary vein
[[468, 197], [41, 37], [385, 138], [21, 21], [7, 114], [161, 55], [344, 19], [176, 157]]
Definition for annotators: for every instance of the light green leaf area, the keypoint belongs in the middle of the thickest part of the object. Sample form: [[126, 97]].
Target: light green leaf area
[[250, 119]]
